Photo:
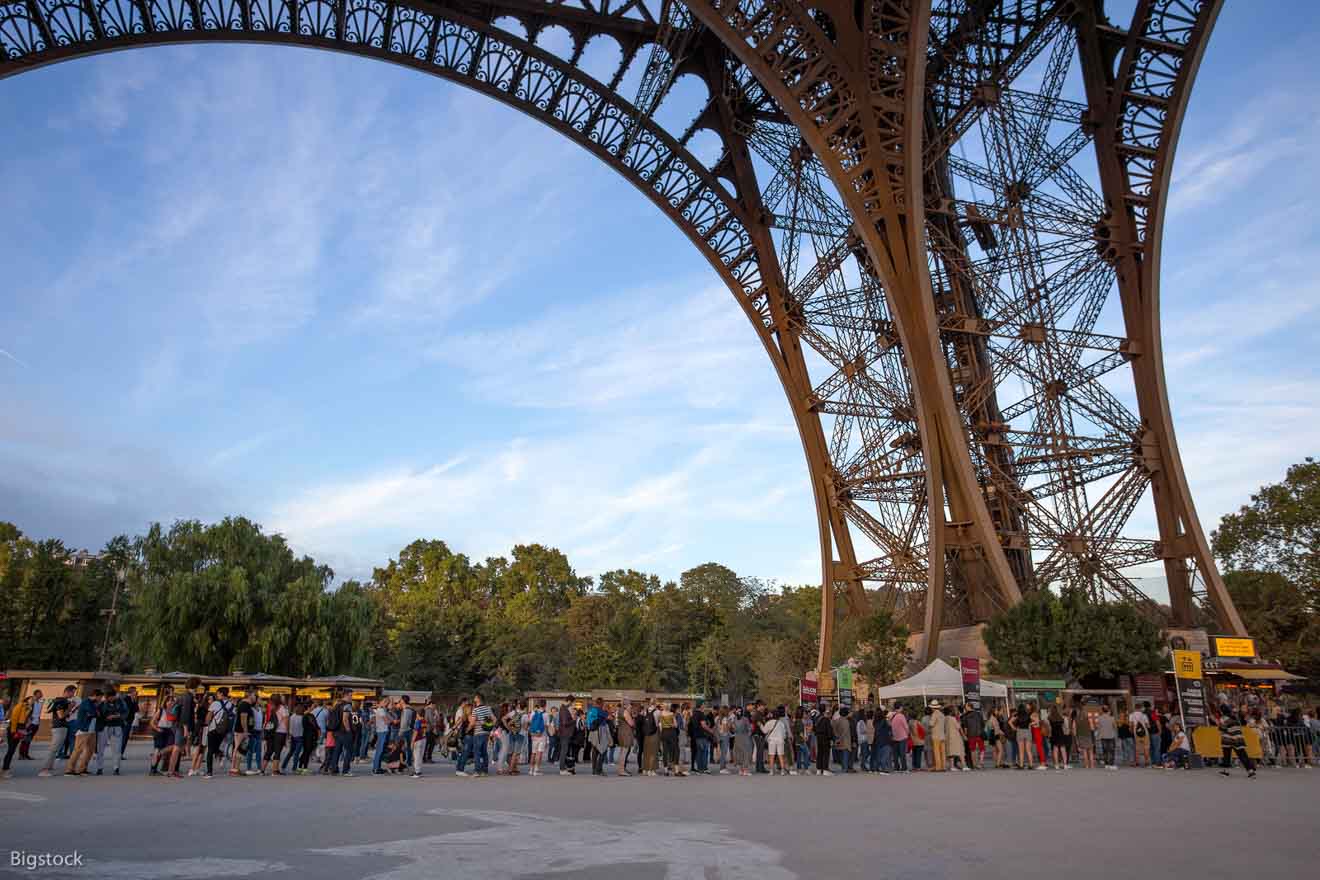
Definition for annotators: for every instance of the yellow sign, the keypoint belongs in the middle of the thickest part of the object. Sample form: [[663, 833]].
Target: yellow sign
[[1226, 647], [1187, 664]]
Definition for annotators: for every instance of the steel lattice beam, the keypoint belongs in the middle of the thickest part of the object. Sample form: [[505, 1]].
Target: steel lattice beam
[[920, 221]]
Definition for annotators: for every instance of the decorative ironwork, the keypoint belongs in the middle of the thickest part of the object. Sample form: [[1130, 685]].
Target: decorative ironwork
[[907, 210]]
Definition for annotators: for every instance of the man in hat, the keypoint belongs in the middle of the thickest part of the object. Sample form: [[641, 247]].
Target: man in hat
[[938, 736]]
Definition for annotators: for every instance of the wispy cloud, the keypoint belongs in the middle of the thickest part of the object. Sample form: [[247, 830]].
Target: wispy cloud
[[13, 358]]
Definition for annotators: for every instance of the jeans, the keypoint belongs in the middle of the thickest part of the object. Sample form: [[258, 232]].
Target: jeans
[[882, 757], [1128, 750], [804, 755], [382, 740], [465, 753], [703, 754], [254, 751], [343, 753], [564, 742], [1179, 757], [57, 743], [843, 757], [407, 747], [365, 745], [1156, 755], [113, 740], [916, 756], [295, 751], [864, 755], [900, 756], [1107, 752], [483, 760]]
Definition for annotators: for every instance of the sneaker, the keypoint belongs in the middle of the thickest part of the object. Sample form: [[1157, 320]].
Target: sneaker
[[564, 773], [208, 776], [1042, 767], [456, 772], [99, 772], [724, 772], [827, 773], [191, 773], [417, 776], [1251, 774], [1223, 773], [883, 772], [8, 774], [346, 774], [44, 773], [792, 773], [117, 772]]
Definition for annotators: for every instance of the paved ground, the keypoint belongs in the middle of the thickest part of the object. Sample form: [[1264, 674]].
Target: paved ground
[[1076, 824]]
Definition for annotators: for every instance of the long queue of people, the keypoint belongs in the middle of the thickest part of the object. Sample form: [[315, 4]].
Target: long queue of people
[[198, 733]]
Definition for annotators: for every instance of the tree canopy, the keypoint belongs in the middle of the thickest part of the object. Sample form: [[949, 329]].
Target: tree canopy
[[1270, 552], [1070, 636], [211, 598]]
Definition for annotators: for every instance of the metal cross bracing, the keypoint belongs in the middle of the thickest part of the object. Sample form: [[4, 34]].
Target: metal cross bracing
[[941, 218]]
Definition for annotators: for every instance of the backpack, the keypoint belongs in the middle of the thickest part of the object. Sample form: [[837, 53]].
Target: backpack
[[537, 727], [334, 719], [224, 722], [648, 724], [514, 723]]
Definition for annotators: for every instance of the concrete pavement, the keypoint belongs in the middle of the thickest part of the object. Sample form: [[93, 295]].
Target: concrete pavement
[[1074, 824]]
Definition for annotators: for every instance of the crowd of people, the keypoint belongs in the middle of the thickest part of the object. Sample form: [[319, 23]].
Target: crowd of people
[[198, 733]]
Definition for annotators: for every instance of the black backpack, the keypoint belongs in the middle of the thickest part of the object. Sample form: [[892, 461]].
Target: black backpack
[[649, 724], [223, 723], [334, 718]]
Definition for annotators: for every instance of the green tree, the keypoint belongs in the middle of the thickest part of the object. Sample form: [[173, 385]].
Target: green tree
[[1279, 617], [882, 649], [210, 598], [50, 609], [1278, 532], [706, 664], [1070, 636]]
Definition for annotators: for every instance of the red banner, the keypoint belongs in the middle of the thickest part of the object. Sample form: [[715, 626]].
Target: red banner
[[809, 695], [971, 677]]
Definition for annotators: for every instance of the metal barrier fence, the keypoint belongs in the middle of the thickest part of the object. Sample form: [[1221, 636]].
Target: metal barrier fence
[[1288, 746]]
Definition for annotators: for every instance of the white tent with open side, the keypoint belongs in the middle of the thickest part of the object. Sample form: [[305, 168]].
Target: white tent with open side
[[939, 679]]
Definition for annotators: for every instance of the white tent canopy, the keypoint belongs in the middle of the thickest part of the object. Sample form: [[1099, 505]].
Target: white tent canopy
[[939, 679]]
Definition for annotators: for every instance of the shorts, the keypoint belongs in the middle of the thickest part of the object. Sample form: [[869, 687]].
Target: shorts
[[1024, 737], [976, 744], [163, 739], [539, 743], [775, 747]]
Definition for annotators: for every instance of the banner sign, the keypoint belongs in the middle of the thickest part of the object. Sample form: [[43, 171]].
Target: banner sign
[[1151, 687], [843, 680], [971, 681], [810, 694], [1191, 688], [1231, 647]]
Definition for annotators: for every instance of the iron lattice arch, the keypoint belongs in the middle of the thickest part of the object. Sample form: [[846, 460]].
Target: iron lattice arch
[[943, 221]]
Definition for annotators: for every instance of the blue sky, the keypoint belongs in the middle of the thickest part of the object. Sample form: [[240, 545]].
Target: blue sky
[[362, 306]]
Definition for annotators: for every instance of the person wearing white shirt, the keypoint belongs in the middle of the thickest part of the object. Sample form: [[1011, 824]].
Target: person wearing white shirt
[[1140, 724]]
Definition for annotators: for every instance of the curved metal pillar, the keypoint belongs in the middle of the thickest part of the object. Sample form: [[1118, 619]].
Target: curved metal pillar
[[1157, 58], [851, 94]]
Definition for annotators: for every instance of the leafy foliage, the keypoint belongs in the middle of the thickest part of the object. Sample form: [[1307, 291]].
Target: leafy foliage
[[882, 649], [1068, 635], [1278, 616], [50, 610], [1270, 549]]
